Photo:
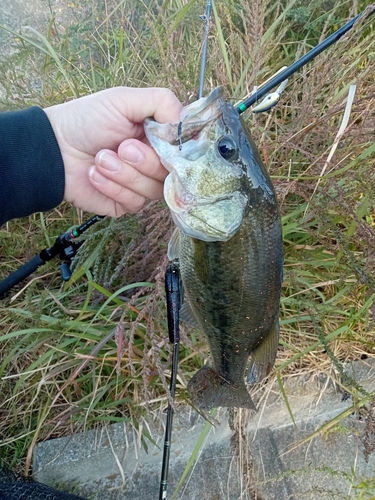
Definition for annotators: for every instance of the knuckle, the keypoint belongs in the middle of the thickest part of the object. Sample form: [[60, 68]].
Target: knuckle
[[132, 176], [138, 203], [117, 191], [167, 96]]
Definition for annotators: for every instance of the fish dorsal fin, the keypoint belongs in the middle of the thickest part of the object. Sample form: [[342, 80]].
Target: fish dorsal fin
[[187, 315], [263, 357], [174, 245]]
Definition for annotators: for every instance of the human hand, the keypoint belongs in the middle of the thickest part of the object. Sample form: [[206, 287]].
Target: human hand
[[109, 167]]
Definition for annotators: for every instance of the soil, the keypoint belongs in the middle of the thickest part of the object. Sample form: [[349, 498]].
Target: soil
[[15, 14], [36, 13]]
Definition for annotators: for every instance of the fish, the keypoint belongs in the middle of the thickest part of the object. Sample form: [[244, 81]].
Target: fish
[[228, 242]]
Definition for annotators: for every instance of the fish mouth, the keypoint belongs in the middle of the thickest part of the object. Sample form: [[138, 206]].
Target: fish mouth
[[200, 114], [194, 119], [179, 145]]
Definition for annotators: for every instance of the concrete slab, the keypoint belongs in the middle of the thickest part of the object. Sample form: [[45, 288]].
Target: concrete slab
[[251, 459], [328, 465], [111, 464]]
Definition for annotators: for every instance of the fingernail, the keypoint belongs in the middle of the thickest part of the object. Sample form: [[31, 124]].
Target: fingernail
[[109, 162], [96, 176], [131, 153]]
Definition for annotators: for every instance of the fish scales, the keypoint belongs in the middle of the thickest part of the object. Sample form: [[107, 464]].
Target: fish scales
[[229, 245], [233, 301]]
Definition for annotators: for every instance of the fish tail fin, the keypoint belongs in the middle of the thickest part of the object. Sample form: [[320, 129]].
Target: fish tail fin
[[208, 390], [263, 357]]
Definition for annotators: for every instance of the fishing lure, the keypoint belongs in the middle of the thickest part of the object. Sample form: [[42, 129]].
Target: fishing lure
[[271, 99]]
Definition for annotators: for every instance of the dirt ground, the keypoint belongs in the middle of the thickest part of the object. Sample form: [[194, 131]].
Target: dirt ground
[[15, 14], [36, 13]]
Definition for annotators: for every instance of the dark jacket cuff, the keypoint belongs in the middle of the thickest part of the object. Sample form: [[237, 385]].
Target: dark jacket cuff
[[31, 166]]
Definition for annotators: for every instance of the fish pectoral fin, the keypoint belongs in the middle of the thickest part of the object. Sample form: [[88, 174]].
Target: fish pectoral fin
[[187, 315], [174, 246], [263, 358]]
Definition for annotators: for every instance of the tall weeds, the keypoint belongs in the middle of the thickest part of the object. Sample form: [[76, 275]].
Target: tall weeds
[[54, 368]]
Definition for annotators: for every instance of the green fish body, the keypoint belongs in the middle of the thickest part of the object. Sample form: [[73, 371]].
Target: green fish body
[[228, 242]]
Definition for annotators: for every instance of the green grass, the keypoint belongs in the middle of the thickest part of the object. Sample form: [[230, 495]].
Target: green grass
[[60, 365]]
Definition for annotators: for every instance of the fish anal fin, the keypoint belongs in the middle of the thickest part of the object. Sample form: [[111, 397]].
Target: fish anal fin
[[264, 356], [208, 390]]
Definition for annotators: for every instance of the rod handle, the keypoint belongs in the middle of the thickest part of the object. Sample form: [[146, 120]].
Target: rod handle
[[21, 273]]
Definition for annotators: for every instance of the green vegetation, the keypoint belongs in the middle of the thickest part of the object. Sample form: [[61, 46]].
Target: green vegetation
[[96, 349]]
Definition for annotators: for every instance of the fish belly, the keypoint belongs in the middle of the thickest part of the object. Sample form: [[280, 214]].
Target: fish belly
[[233, 291]]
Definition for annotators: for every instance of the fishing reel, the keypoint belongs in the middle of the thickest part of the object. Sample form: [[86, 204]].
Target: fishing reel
[[65, 247]]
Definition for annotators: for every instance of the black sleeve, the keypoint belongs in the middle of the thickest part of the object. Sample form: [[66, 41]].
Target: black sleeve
[[31, 167]]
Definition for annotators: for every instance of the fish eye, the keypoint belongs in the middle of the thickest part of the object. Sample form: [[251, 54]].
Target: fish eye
[[227, 148]]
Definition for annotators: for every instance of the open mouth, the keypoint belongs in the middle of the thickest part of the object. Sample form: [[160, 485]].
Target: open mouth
[[194, 118]]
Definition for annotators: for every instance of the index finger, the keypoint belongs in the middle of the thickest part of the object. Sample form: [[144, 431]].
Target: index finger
[[160, 103]]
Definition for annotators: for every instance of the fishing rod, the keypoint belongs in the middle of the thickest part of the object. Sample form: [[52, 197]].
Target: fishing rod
[[284, 75], [173, 298], [64, 245], [172, 290], [206, 19]]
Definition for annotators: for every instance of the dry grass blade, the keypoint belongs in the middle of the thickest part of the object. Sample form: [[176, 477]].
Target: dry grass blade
[[340, 133], [194, 455], [223, 46], [54, 362], [334, 422]]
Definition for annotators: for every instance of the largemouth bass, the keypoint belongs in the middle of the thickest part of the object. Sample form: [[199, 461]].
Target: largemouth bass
[[228, 242]]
